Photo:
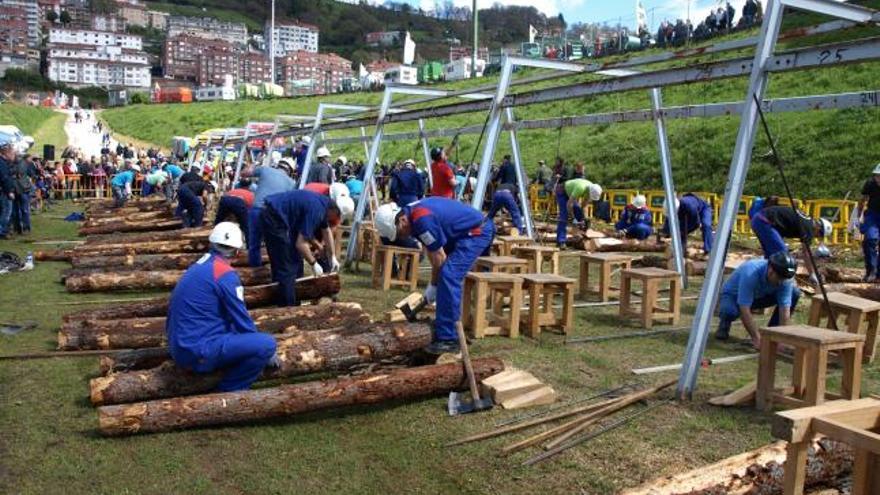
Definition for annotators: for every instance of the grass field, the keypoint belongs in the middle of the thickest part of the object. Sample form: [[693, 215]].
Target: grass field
[[44, 125], [620, 156], [49, 444]]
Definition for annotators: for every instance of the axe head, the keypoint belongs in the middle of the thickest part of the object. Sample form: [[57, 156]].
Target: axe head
[[461, 403]]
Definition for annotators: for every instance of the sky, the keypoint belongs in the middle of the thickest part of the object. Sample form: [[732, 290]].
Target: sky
[[609, 11]]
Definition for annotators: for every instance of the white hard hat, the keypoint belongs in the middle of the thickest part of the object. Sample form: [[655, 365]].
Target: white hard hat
[[306, 139], [135, 167], [386, 221], [338, 190], [827, 228], [595, 192], [286, 162], [323, 152], [640, 201], [227, 234], [877, 169], [276, 156], [342, 159], [214, 185], [197, 166], [346, 206]]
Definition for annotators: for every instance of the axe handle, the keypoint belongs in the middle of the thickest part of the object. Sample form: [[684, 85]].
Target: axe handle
[[466, 359]]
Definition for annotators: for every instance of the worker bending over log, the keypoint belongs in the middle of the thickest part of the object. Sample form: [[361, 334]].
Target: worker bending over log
[[407, 185], [236, 204], [269, 181], [455, 235], [758, 284], [773, 223], [506, 198], [636, 221], [193, 198], [289, 222], [572, 197], [121, 184], [693, 212], [869, 224], [208, 325]]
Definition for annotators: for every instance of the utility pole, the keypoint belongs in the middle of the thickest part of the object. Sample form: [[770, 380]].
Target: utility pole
[[476, 42], [272, 45]]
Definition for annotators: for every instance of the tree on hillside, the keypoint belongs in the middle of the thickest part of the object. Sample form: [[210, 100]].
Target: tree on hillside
[[65, 17], [52, 16]]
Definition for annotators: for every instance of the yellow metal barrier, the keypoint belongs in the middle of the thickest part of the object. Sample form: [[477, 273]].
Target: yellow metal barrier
[[655, 204], [618, 199], [839, 213], [743, 225]]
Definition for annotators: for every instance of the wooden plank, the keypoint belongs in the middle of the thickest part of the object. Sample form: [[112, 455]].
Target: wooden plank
[[741, 396], [794, 425], [514, 387], [537, 397], [856, 437]]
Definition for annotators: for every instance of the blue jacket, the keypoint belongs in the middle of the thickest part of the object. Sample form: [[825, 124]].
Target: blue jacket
[[304, 212], [407, 182], [441, 222], [633, 216], [6, 183], [506, 174], [122, 178], [207, 304]]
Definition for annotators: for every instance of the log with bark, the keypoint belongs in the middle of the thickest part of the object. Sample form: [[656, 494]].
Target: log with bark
[[126, 226], [142, 204], [147, 216], [135, 359], [288, 400], [626, 246], [54, 255], [200, 245], [138, 333], [300, 354], [133, 237], [307, 289], [170, 261], [100, 281]]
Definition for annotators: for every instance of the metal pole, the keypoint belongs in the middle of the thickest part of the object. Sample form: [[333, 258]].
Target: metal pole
[[669, 186], [221, 167], [372, 191], [739, 168], [492, 132], [272, 46], [520, 177], [476, 41], [241, 153], [271, 147], [310, 154], [427, 153], [368, 176]]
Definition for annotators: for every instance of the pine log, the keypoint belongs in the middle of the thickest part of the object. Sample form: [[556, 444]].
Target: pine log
[[95, 204], [170, 261], [146, 216], [54, 255], [125, 226], [300, 354], [139, 333], [135, 359], [628, 246], [199, 245], [132, 237], [307, 289], [288, 400], [98, 281], [836, 275]]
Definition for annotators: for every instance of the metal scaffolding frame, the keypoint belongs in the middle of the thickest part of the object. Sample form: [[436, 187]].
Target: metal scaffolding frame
[[764, 63]]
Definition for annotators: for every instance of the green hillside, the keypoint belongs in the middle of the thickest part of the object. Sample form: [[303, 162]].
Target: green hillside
[[829, 152], [46, 126]]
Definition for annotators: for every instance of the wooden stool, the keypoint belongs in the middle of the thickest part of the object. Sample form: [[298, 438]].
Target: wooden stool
[[541, 288], [501, 264], [483, 317], [367, 241], [862, 316], [812, 346], [846, 421], [606, 262], [407, 261], [536, 255], [650, 278], [497, 248], [508, 242]]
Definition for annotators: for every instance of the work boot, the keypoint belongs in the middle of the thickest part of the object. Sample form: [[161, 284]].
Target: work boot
[[723, 332], [443, 347], [869, 278]]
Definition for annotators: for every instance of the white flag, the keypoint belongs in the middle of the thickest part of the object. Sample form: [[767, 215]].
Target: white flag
[[641, 16], [532, 33], [409, 50]]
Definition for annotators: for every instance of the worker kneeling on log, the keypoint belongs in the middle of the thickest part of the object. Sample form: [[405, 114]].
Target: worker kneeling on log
[[693, 212], [759, 284], [192, 200], [505, 197], [236, 204], [635, 221], [773, 224], [572, 197], [208, 325], [289, 222], [455, 235]]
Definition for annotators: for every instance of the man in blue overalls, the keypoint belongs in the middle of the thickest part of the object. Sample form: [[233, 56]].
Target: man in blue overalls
[[455, 235], [208, 327], [693, 212], [758, 284], [269, 181], [869, 225], [289, 222], [407, 185], [505, 197], [635, 221], [773, 224], [192, 200]]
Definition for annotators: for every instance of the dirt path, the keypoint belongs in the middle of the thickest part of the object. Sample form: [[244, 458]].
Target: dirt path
[[83, 136]]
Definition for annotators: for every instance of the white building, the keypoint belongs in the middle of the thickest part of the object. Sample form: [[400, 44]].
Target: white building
[[402, 74], [461, 69], [288, 37], [94, 58], [214, 93], [208, 28]]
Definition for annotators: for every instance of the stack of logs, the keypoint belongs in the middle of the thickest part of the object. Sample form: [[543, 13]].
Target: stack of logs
[[149, 214]]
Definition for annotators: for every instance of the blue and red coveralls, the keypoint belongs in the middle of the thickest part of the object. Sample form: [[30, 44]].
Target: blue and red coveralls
[[636, 223], [464, 235], [505, 198], [285, 216], [407, 186], [189, 203], [209, 328], [694, 212], [236, 202]]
